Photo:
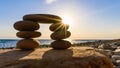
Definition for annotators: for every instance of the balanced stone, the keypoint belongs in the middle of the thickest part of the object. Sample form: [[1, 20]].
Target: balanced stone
[[28, 44], [60, 44], [60, 35], [26, 26], [28, 34], [43, 18], [59, 27]]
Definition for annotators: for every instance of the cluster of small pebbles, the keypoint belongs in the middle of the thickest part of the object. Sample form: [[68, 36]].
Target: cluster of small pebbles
[[116, 57], [113, 51], [28, 31]]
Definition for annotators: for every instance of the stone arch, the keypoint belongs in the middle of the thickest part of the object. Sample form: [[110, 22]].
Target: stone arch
[[29, 26]]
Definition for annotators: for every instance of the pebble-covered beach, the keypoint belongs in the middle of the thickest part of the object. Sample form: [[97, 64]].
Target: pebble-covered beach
[[110, 48]]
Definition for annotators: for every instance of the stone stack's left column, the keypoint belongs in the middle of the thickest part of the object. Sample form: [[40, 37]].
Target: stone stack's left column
[[27, 31]]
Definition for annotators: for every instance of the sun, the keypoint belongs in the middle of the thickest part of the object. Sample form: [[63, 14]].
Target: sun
[[67, 19]]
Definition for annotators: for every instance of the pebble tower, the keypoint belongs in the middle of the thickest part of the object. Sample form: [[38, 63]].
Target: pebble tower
[[28, 31]]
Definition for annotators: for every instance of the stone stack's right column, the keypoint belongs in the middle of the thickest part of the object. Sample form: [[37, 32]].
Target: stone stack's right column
[[60, 32]]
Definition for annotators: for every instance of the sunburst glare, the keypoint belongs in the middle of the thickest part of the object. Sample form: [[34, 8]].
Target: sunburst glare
[[67, 19]]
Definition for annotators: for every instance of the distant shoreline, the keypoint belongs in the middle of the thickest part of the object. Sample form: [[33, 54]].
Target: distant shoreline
[[51, 39], [95, 43]]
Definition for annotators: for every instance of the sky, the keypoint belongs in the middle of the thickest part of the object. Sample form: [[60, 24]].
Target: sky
[[90, 19]]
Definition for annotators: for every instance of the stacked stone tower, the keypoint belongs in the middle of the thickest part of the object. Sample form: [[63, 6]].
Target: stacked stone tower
[[59, 33], [27, 30]]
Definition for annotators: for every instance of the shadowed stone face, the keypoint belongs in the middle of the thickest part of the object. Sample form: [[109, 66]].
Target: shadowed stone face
[[59, 27]]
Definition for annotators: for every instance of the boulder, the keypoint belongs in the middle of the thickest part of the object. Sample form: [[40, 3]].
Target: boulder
[[26, 26], [75, 57], [28, 34], [43, 18]]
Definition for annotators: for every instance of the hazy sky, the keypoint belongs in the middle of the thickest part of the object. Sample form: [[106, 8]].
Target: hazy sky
[[91, 19]]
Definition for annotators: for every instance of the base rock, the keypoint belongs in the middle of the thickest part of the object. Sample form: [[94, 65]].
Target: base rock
[[74, 57]]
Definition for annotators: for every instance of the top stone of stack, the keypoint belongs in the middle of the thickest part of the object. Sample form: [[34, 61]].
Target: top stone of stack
[[43, 18]]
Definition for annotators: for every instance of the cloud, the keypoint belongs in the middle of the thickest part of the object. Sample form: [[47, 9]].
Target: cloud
[[50, 1]]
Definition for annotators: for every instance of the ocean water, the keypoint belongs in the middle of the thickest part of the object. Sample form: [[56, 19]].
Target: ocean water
[[11, 43]]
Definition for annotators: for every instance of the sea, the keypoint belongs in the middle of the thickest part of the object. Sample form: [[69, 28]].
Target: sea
[[11, 43]]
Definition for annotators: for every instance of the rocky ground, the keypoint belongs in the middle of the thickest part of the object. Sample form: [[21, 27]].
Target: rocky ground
[[111, 48], [113, 51], [74, 57]]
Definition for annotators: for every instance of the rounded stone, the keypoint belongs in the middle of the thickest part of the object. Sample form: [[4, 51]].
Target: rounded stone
[[60, 44], [60, 35], [43, 18], [26, 26], [28, 44], [59, 27], [28, 34]]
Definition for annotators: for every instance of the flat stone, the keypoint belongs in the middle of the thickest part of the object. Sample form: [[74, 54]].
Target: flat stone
[[43, 18], [59, 27], [60, 35], [74, 57], [28, 44], [26, 26], [28, 34], [116, 57], [60, 44]]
